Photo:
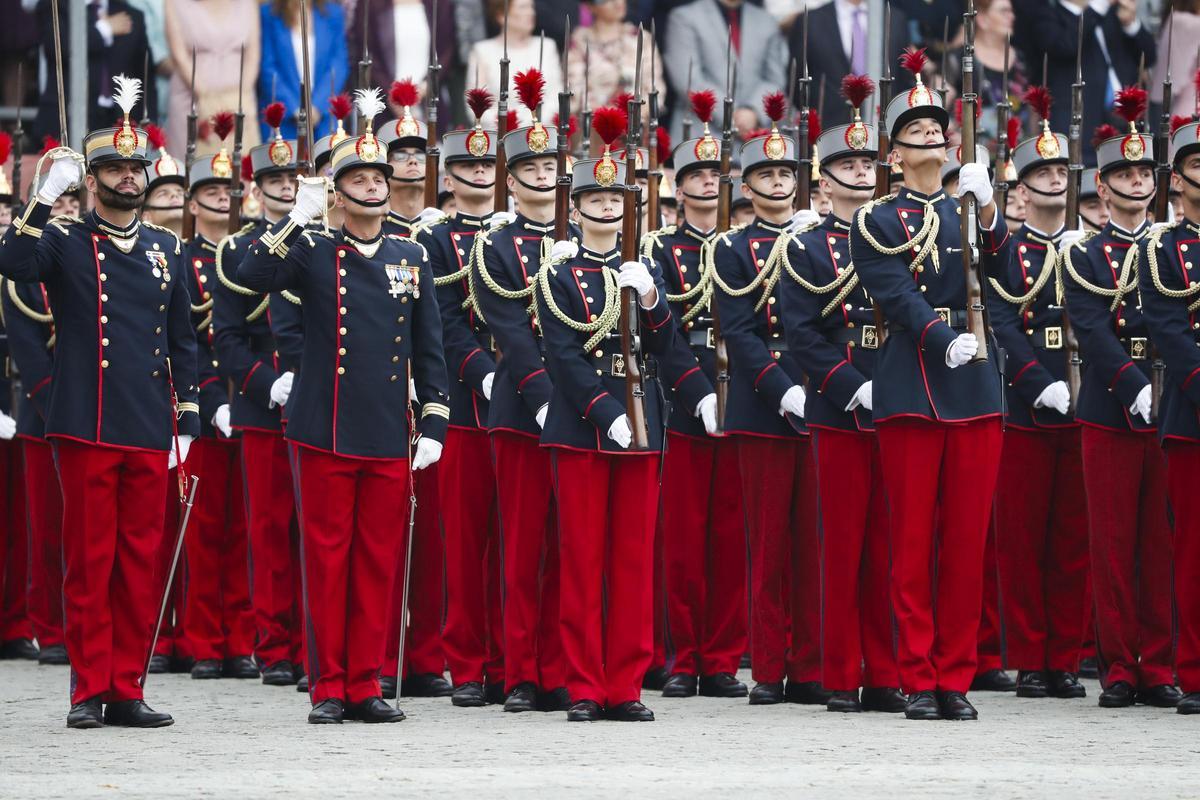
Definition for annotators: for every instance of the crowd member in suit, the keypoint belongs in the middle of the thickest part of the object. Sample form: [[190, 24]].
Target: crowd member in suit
[[279, 75], [398, 33], [605, 53], [699, 34]]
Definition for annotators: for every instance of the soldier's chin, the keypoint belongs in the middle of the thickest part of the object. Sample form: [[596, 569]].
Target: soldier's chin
[[121, 201]]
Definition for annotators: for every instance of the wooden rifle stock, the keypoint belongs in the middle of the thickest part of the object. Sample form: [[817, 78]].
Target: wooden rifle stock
[[635, 384], [969, 216], [724, 214]]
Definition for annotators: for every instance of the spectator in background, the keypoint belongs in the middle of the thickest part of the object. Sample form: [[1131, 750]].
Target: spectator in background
[[611, 45], [18, 39], [523, 53], [283, 61], [839, 43], [698, 34], [215, 30], [1184, 59], [398, 33], [1114, 41], [993, 26], [552, 18], [154, 12]]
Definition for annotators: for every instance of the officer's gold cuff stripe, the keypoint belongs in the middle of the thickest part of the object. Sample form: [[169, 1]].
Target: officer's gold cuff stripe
[[435, 409], [186, 407]]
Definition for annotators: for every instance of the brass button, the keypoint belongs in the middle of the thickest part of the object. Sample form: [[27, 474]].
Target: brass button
[[100, 256], [341, 253], [104, 341], [599, 354], [160, 308], [403, 300], [399, 319], [198, 262], [155, 375], [393, 378], [204, 279], [157, 352], [158, 329], [162, 287], [342, 310], [771, 301], [104, 318], [104, 363], [341, 351], [342, 272], [341, 370], [342, 331], [103, 298], [395, 359], [341, 290], [103, 276], [1121, 323]]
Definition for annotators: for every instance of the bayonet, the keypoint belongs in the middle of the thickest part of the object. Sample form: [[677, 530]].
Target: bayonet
[[1074, 373], [724, 210], [541, 61], [304, 119], [18, 142], [500, 196], [562, 184], [145, 89], [189, 221], [1003, 108], [654, 173], [803, 196], [969, 216], [235, 194], [432, 98], [687, 118], [585, 111], [943, 89], [364, 64]]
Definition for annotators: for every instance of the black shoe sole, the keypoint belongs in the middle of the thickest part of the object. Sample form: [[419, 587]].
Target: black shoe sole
[[766, 701], [1072, 695], [1104, 703], [166, 723], [85, 725], [1032, 694], [844, 709], [472, 703], [323, 721]]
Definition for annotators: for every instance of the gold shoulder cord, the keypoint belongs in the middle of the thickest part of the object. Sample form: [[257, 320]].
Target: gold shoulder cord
[[1126, 281], [490, 282], [291, 298], [924, 240], [1175, 294], [606, 320], [766, 278], [446, 280], [24, 308], [1026, 300], [843, 284], [702, 289], [229, 242]]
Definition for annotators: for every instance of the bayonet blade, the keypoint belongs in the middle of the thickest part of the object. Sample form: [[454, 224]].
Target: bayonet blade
[[192, 82], [587, 64], [505, 32], [541, 50], [1079, 52], [653, 54], [887, 41], [1170, 42], [433, 53], [241, 75], [804, 45], [729, 66]]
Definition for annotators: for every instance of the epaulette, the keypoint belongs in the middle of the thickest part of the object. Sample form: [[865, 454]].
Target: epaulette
[[869, 206], [653, 239], [173, 234], [222, 277], [723, 238], [425, 227], [500, 223], [63, 220]]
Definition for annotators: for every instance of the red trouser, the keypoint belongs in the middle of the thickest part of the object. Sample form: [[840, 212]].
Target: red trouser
[[989, 648], [1183, 465], [780, 496], [703, 540], [112, 526], [219, 620], [467, 488], [1124, 474], [353, 515], [607, 508], [533, 648], [14, 547], [44, 508], [938, 476], [274, 549], [1041, 523], [171, 641], [856, 625], [423, 644]]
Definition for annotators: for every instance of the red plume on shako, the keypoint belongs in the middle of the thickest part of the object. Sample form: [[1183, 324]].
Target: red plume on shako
[[663, 139], [775, 106], [530, 86], [1177, 122], [609, 124], [1014, 134], [1129, 105], [1040, 100], [340, 106], [511, 120], [1103, 132], [247, 168], [913, 59], [222, 125], [703, 104], [856, 89], [479, 100], [280, 150], [405, 95]]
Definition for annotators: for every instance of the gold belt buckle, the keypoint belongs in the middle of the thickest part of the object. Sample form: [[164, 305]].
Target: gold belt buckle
[[618, 365], [944, 313], [1054, 338], [710, 339], [1137, 348], [870, 337]]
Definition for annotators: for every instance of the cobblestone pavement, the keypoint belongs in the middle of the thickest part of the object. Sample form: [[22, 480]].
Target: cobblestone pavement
[[242, 739]]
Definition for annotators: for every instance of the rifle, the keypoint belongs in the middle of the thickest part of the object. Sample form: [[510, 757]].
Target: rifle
[[724, 209], [654, 173], [500, 196], [304, 118], [635, 386], [58, 72], [883, 162], [189, 222], [145, 90], [235, 194], [1074, 174], [562, 183], [969, 218], [1002, 111], [18, 142], [944, 90], [432, 151], [687, 119], [364, 66], [803, 199], [585, 113], [1162, 204]]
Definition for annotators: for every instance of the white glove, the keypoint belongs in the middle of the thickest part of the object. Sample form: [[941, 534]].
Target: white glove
[[281, 389], [429, 214], [805, 218], [1142, 404], [706, 412], [973, 179], [621, 432], [863, 397], [8, 426], [1056, 396], [540, 416], [185, 444], [428, 453], [634, 275], [220, 419], [412, 391], [961, 350], [792, 402], [310, 200], [563, 251], [487, 385], [1161, 226], [501, 218], [1070, 238], [65, 172]]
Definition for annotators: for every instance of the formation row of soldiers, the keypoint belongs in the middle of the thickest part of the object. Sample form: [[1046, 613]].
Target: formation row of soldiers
[[312, 374]]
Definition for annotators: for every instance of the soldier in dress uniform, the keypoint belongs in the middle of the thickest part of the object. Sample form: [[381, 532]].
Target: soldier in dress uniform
[[831, 330], [1093, 211], [406, 138], [1124, 471], [16, 626], [128, 356], [473, 631], [700, 518], [504, 266], [219, 618], [1168, 292], [166, 185], [1040, 512], [247, 355], [765, 413], [371, 322], [937, 413]]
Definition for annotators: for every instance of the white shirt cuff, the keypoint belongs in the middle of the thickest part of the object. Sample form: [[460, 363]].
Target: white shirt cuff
[[1132, 29], [106, 32]]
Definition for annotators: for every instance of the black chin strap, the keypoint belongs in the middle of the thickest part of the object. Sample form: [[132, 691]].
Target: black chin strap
[[1187, 180], [1095, 225], [1059, 193], [407, 181], [1130, 197], [472, 184], [599, 220], [766, 196], [206, 207], [111, 190], [932, 146], [531, 187], [148, 207], [276, 198], [848, 186], [364, 203], [691, 196]]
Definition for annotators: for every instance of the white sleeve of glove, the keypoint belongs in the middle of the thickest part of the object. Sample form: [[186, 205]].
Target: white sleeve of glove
[[1141, 404], [428, 453], [620, 431], [706, 412], [804, 218], [793, 402], [220, 420], [185, 444], [429, 214], [961, 350], [501, 218], [1069, 239], [486, 385], [863, 397], [8, 426], [1055, 396]]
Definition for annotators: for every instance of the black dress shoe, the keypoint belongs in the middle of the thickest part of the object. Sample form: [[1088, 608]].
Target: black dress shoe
[[806, 693], [766, 694], [1032, 683], [206, 669], [387, 686], [281, 673], [159, 665], [242, 667], [554, 700], [680, 685], [887, 699], [630, 711], [428, 684], [585, 711], [469, 695], [23, 649], [135, 714], [327, 712], [494, 694], [1189, 704], [1089, 668], [88, 714], [922, 706], [1066, 685], [994, 680], [956, 706], [655, 679], [845, 702], [523, 697], [302, 684], [1118, 694], [722, 685], [181, 664], [54, 655], [1165, 695], [372, 710]]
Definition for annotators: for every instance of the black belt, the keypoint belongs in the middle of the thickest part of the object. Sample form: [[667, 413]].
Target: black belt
[[1138, 347], [867, 336], [954, 317], [485, 340], [613, 365], [705, 337], [1049, 338]]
